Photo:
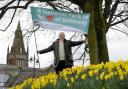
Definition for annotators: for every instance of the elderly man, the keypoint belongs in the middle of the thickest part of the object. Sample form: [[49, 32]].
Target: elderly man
[[62, 52]]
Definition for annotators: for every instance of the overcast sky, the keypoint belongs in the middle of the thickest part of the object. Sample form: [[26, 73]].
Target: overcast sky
[[117, 42]]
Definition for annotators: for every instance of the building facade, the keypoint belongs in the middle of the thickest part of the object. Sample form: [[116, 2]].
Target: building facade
[[17, 55]]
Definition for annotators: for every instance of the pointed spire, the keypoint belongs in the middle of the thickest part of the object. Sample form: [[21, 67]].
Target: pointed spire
[[18, 26], [18, 55], [18, 43], [18, 30], [8, 49]]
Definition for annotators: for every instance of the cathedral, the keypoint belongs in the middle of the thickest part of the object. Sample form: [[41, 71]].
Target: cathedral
[[17, 55]]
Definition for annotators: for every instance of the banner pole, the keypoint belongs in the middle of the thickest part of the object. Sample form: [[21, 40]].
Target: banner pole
[[36, 47]]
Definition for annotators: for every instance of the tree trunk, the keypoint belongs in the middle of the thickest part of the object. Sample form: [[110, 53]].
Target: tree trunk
[[96, 36], [100, 32], [92, 40]]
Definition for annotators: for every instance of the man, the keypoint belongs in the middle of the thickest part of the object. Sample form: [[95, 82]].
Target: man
[[62, 52]]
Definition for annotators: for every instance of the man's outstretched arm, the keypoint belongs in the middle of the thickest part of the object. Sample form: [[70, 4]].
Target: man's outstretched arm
[[50, 48], [75, 43]]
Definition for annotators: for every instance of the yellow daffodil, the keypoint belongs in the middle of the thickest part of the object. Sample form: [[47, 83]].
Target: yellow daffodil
[[102, 75], [76, 76], [68, 85], [90, 73], [70, 75], [83, 76], [72, 80], [121, 77]]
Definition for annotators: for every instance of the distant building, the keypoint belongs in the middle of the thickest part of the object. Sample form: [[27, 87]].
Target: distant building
[[17, 56]]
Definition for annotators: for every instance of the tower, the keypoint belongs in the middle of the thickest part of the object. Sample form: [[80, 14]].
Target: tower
[[18, 56]]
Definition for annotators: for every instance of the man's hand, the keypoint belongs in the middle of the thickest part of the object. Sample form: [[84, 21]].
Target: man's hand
[[86, 38], [86, 35]]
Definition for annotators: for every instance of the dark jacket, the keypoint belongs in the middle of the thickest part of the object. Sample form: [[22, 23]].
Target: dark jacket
[[67, 48]]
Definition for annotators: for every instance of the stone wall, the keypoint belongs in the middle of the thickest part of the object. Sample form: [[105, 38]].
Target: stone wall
[[18, 74]]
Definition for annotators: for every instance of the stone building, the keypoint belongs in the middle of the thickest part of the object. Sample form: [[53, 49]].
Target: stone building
[[18, 55]]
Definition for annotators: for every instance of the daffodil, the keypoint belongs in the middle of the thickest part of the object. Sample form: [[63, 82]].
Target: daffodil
[[102, 75], [83, 76], [76, 76], [72, 80], [121, 77], [68, 84], [90, 73]]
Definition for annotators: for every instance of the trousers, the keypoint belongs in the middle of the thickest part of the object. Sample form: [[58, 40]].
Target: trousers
[[61, 66]]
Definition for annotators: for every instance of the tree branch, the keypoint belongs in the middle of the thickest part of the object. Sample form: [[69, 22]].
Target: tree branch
[[52, 5], [124, 2], [118, 15], [6, 7], [2, 8], [113, 10], [73, 36], [119, 30], [80, 56], [107, 8], [12, 17], [119, 22]]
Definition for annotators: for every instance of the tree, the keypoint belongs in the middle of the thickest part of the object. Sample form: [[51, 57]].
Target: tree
[[104, 15]]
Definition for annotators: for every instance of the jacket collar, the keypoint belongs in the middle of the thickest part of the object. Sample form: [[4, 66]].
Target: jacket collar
[[58, 39]]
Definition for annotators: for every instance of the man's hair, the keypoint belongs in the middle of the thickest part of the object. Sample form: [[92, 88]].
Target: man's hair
[[61, 33]]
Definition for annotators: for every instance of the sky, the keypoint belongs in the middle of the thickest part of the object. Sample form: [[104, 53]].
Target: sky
[[117, 42]]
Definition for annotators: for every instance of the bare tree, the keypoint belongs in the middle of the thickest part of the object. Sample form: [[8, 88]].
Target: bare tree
[[104, 15], [111, 9]]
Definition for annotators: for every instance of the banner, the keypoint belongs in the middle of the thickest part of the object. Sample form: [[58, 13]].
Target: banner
[[60, 20]]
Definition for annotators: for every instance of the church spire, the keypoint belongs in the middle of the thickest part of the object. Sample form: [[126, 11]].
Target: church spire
[[18, 44], [18, 56]]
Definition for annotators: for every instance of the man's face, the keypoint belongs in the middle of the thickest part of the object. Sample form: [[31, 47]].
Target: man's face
[[61, 36]]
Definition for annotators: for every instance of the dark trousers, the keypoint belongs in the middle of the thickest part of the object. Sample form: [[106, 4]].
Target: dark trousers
[[61, 66]]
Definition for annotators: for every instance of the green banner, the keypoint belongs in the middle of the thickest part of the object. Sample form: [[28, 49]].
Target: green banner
[[60, 20]]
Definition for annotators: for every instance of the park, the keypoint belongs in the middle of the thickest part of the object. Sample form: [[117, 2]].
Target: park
[[64, 44]]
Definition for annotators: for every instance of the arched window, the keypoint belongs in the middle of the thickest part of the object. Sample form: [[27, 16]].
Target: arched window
[[20, 62], [20, 50]]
